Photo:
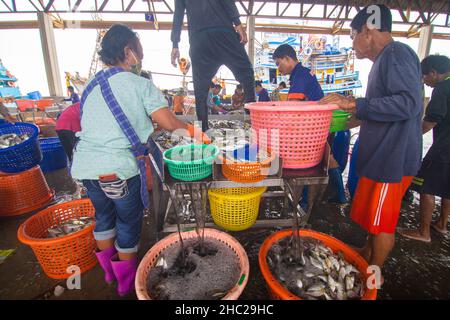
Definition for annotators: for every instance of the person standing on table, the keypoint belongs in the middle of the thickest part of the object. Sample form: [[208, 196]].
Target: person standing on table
[[110, 157], [305, 87], [263, 95], [216, 37], [390, 136], [67, 125], [433, 178]]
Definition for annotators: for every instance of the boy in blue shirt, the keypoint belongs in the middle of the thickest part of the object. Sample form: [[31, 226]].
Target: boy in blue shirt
[[305, 87], [304, 84]]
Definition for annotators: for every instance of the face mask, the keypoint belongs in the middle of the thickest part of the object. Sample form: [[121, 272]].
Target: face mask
[[137, 67]]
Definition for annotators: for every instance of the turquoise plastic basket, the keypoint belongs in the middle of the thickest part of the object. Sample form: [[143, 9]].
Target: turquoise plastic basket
[[191, 162]]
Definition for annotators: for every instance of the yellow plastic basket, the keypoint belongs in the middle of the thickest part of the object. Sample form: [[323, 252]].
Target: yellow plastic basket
[[235, 209]]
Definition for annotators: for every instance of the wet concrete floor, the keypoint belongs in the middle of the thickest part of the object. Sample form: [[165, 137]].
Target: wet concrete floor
[[414, 270]]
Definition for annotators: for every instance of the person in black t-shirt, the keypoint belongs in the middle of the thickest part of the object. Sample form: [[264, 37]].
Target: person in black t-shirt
[[433, 178]]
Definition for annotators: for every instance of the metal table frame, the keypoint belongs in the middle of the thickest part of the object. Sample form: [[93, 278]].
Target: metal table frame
[[164, 186]]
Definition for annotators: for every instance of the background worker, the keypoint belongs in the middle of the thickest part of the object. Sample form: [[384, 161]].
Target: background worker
[[67, 125], [305, 87], [214, 103], [262, 93], [275, 95], [238, 98], [74, 97], [390, 135], [303, 83], [216, 38], [433, 178], [4, 114]]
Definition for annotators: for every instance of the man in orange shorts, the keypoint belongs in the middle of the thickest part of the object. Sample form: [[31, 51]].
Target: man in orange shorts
[[390, 149]]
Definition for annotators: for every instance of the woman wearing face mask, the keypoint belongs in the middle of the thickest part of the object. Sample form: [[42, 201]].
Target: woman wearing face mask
[[110, 156]]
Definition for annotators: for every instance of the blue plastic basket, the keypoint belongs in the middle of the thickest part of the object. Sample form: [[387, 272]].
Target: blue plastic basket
[[23, 156], [53, 155]]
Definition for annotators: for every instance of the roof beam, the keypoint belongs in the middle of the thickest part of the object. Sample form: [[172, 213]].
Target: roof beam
[[309, 10], [32, 3], [245, 8], [260, 8], [168, 7], [143, 25], [3, 1], [130, 5], [76, 5], [282, 13], [49, 5], [103, 5]]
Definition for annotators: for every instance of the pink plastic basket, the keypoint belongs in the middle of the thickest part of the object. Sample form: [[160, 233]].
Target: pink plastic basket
[[300, 127]]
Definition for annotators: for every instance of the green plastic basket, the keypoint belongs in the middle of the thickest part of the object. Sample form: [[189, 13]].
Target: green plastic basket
[[339, 121], [191, 162]]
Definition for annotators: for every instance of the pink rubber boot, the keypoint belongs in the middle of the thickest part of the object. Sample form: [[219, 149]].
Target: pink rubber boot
[[104, 258], [125, 272]]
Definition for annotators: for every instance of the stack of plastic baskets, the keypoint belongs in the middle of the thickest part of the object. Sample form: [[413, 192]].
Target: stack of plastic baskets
[[61, 257], [22, 184], [235, 209], [296, 131], [54, 157], [243, 165], [23, 192], [23, 156]]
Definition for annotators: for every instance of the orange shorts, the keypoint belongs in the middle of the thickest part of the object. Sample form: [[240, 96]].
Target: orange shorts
[[376, 205]]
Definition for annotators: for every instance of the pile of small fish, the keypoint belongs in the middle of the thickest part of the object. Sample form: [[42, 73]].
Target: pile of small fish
[[229, 124], [69, 226], [12, 139], [320, 273], [167, 140]]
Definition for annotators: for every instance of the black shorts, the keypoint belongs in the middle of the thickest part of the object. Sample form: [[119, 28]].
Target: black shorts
[[433, 178]]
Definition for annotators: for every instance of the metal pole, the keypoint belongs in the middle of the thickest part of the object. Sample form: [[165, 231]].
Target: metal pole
[[251, 38], [426, 35], [45, 24]]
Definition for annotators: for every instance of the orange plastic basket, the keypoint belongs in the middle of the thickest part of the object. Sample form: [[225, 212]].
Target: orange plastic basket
[[23, 192], [246, 172], [149, 260], [56, 255], [44, 103], [299, 130], [278, 292]]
